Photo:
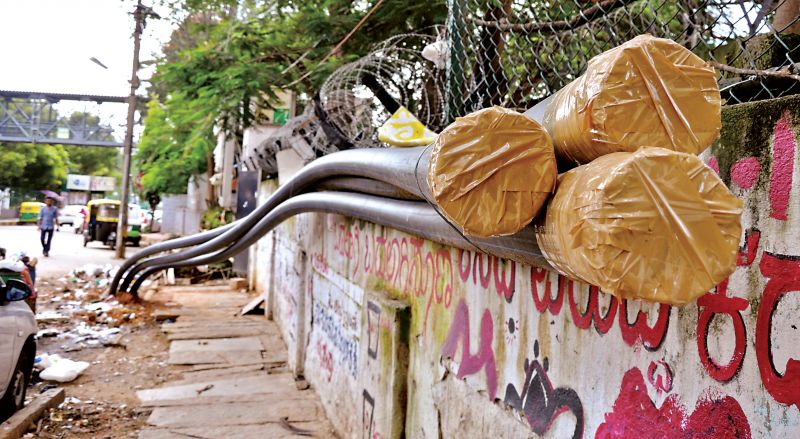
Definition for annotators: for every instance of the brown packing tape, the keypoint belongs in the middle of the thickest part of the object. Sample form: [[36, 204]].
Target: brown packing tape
[[656, 225], [647, 92], [491, 171]]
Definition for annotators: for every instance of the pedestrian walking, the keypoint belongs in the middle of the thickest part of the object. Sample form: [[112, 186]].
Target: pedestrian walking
[[48, 217]]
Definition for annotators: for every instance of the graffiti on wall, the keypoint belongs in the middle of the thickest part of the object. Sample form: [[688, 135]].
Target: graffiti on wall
[[636, 415], [533, 340]]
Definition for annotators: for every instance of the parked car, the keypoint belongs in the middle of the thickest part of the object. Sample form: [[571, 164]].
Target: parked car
[[17, 345], [72, 214]]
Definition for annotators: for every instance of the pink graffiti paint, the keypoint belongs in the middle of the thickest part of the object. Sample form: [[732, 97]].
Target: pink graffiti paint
[[780, 182], [635, 415], [745, 172], [470, 364], [713, 164], [783, 273]]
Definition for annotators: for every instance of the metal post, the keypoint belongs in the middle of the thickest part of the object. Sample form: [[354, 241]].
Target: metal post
[[122, 226], [456, 59]]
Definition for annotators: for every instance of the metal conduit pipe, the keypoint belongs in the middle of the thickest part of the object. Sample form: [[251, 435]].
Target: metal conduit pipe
[[414, 217], [365, 186], [397, 167], [348, 184], [186, 241]]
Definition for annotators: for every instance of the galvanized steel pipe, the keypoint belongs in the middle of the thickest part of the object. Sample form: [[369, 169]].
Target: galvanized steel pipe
[[415, 217]]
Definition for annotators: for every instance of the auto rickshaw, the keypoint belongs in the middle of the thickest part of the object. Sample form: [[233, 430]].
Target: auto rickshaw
[[101, 224], [29, 211]]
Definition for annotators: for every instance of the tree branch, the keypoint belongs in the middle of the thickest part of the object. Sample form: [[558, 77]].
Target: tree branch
[[583, 17], [780, 73]]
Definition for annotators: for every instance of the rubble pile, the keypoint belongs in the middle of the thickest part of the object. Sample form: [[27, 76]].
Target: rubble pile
[[78, 313]]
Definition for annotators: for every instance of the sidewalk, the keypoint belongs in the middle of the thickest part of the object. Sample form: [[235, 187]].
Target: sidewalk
[[235, 383]]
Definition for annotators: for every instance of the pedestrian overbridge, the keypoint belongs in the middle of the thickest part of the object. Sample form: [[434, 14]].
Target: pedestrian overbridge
[[29, 117]]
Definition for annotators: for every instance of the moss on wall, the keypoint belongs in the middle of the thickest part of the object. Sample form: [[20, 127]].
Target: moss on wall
[[747, 130]]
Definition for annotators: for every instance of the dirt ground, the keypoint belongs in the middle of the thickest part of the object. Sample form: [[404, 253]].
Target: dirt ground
[[102, 402]]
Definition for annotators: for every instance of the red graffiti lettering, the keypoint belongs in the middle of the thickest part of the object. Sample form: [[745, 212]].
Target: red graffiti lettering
[[780, 182], [583, 321], [325, 359], [403, 266], [660, 376], [783, 273], [639, 331], [447, 280], [380, 256], [747, 253], [547, 302], [464, 256], [504, 289], [367, 255], [709, 306], [392, 260], [356, 247], [477, 270], [484, 359], [415, 272]]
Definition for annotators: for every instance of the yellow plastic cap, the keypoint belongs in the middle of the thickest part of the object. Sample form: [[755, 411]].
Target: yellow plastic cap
[[656, 225], [491, 171], [404, 129], [647, 92]]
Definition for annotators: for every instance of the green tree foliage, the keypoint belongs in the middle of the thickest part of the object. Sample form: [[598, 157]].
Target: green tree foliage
[[167, 156], [29, 167], [93, 160], [230, 56]]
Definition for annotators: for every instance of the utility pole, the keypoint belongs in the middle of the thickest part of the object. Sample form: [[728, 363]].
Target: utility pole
[[139, 16]]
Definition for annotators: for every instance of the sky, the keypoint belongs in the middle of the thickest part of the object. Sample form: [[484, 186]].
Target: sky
[[47, 45]]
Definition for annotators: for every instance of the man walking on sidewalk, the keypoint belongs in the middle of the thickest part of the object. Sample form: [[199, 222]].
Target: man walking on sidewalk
[[48, 216]]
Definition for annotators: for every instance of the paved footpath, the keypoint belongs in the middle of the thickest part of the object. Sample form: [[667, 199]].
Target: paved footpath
[[235, 383]]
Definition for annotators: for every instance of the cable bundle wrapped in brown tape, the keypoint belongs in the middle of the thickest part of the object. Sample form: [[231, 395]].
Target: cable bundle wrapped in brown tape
[[656, 225], [491, 171], [646, 92]]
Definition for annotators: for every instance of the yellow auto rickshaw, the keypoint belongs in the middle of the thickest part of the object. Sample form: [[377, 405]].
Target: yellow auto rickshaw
[[29, 211], [101, 222]]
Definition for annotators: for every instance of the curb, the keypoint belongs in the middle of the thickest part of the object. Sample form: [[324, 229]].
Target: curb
[[17, 425]]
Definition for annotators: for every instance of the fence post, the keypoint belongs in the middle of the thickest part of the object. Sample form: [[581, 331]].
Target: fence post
[[456, 58]]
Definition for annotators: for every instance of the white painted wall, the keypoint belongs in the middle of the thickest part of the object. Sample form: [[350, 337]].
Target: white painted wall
[[503, 349]]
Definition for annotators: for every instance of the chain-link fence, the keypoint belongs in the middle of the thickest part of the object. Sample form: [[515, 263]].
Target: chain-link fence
[[514, 53]]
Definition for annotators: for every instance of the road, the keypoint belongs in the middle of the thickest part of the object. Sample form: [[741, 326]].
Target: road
[[66, 252]]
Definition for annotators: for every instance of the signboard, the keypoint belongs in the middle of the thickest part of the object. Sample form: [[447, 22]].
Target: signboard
[[102, 184], [78, 182]]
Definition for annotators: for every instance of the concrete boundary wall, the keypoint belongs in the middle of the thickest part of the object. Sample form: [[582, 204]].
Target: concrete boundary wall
[[403, 336]]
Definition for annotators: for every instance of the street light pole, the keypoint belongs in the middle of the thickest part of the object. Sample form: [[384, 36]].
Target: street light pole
[[122, 225]]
